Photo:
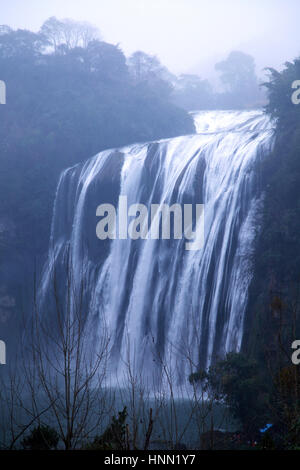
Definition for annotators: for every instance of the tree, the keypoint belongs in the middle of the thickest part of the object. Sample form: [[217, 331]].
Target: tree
[[68, 33], [147, 70], [239, 78], [280, 91], [41, 438], [63, 373], [115, 435], [21, 44], [237, 381], [106, 61], [193, 93], [143, 66]]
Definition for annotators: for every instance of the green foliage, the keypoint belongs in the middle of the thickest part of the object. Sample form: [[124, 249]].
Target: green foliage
[[279, 87], [274, 316], [41, 438], [237, 382], [114, 437], [277, 254]]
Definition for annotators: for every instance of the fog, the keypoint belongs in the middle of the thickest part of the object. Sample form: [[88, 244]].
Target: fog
[[188, 36]]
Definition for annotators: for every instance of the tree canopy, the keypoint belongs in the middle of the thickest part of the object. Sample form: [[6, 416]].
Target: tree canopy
[[69, 96]]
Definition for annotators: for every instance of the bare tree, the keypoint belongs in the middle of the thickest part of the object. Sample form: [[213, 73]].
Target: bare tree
[[163, 413], [69, 33], [59, 376]]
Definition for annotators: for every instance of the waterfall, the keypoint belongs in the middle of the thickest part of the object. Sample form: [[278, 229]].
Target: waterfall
[[159, 302]]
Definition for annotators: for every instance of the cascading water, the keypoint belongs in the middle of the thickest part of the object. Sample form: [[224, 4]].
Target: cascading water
[[160, 303]]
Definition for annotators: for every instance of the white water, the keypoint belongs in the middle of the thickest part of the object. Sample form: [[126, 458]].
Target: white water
[[159, 302]]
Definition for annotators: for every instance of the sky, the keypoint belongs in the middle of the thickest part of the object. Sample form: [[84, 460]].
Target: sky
[[188, 36]]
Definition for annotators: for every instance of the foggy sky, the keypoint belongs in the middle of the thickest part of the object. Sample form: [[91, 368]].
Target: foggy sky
[[188, 36]]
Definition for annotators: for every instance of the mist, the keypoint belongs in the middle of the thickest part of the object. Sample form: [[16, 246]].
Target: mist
[[188, 36]]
